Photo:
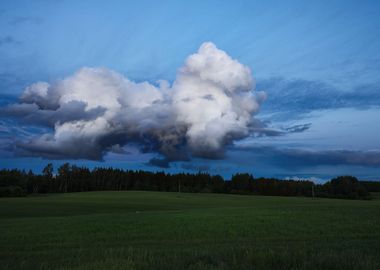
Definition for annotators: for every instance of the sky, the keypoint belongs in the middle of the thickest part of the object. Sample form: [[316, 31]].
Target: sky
[[287, 89]]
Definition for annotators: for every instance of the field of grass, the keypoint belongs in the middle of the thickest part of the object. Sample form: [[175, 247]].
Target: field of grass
[[157, 230]]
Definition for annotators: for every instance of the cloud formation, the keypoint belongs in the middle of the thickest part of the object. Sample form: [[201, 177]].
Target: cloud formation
[[210, 104], [8, 40], [25, 19], [296, 158], [301, 96]]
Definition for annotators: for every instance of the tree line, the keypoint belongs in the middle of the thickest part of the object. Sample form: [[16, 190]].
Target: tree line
[[71, 178]]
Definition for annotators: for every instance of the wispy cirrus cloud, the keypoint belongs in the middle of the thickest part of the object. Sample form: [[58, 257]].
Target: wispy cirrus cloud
[[301, 158], [25, 20], [303, 96], [8, 40]]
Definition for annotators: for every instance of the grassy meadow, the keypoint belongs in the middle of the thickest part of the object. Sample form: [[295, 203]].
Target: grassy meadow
[[158, 230]]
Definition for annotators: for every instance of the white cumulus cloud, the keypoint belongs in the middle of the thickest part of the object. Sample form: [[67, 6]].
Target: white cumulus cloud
[[210, 104]]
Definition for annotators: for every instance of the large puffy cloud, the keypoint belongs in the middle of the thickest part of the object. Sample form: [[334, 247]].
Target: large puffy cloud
[[210, 104], [212, 97]]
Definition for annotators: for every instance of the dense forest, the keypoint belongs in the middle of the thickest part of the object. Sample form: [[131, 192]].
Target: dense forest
[[71, 178]]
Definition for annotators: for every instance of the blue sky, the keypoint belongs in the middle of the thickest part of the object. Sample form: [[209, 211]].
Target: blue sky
[[317, 61]]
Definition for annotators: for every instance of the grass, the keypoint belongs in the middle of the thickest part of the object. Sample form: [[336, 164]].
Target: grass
[[157, 230]]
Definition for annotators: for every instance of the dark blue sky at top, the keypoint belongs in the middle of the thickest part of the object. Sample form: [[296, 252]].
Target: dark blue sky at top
[[318, 62]]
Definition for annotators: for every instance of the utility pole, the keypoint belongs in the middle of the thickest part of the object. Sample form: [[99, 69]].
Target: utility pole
[[179, 185], [312, 190]]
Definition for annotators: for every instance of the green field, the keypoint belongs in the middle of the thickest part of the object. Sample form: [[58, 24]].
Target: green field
[[157, 230]]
